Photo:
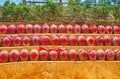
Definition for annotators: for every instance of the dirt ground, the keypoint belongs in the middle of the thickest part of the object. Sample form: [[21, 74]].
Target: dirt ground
[[60, 70]]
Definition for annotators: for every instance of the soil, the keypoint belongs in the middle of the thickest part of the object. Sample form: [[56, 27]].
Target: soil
[[60, 70]]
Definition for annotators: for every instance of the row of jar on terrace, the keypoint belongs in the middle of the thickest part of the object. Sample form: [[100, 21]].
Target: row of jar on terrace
[[64, 40], [45, 28], [61, 54]]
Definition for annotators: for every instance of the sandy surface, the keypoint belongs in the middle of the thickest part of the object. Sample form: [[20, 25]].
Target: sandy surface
[[60, 70]]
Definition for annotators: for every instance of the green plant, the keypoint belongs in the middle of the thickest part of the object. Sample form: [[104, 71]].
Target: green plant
[[0, 13], [7, 11], [55, 12], [51, 11], [116, 12], [100, 12]]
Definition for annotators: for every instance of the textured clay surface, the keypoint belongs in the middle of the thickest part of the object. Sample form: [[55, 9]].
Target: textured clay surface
[[60, 70]]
